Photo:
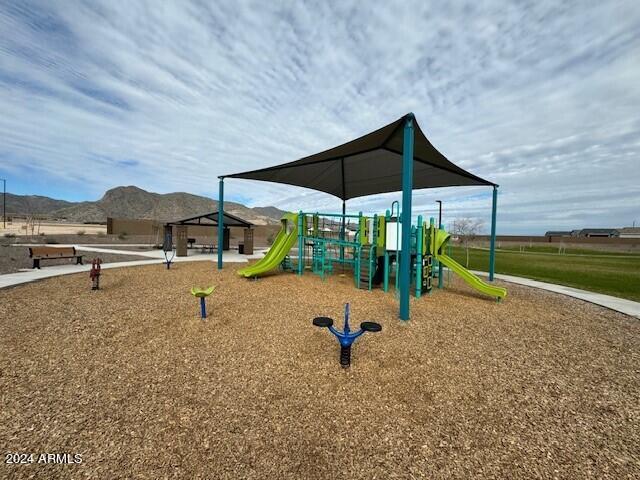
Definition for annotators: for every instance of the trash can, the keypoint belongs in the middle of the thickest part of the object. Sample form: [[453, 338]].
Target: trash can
[[241, 248]]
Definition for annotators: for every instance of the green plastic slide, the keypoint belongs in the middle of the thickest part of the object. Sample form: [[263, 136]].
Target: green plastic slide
[[441, 238], [285, 240], [471, 279]]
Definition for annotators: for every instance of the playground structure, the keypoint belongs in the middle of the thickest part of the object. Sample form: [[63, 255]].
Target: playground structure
[[370, 247], [395, 157], [202, 294], [346, 337]]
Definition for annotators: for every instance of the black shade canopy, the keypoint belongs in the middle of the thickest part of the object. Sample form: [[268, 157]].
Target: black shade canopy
[[368, 165], [211, 219]]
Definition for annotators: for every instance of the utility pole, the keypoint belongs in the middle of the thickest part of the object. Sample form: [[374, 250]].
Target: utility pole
[[4, 204], [439, 202]]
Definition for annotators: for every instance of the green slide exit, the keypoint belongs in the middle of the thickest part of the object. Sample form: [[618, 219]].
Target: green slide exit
[[471, 279], [441, 239], [284, 241]]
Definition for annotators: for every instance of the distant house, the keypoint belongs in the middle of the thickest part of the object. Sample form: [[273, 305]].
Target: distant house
[[629, 232], [553, 233], [599, 232]]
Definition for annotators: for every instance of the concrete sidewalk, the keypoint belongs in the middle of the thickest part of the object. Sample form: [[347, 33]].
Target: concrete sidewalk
[[621, 305], [149, 246], [151, 253], [26, 276]]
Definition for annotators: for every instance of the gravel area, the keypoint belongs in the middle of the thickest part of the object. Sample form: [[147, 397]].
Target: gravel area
[[82, 239], [539, 386], [13, 259]]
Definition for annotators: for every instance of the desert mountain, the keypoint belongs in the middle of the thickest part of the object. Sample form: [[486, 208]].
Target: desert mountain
[[134, 202], [29, 204]]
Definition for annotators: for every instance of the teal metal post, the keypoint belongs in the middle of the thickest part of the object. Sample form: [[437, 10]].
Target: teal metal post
[[301, 235], [385, 284], [419, 257], [342, 226], [431, 250], [492, 248], [407, 190], [440, 268], [220, 222]]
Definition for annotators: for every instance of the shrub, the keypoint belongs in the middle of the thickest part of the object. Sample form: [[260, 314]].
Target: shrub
[[10, 235], [51, 241], [122, 235], [80, 232], [270, 239], [102, 234]]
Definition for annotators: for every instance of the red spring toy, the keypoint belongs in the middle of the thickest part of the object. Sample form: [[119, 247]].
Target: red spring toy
[[94, 273]]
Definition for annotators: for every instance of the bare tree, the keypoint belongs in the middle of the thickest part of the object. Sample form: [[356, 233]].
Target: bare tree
[[467, 229]]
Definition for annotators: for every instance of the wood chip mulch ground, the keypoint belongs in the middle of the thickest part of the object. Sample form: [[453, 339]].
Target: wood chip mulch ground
[[540, 386]]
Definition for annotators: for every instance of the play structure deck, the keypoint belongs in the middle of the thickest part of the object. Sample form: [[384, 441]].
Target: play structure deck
[[369, 247]]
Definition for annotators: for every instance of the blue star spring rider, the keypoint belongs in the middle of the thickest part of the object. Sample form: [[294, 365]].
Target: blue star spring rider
[[345, 337]]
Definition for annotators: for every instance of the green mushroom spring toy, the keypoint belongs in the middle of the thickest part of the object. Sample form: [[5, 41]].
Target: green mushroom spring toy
[[202, 294]]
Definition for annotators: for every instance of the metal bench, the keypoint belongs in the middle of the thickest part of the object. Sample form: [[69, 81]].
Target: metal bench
[[52, 253], [207, 248]]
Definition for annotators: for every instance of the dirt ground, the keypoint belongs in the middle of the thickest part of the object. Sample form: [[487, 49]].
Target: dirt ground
[[80, 239], [52, 228], [539, 386], [264, 235]]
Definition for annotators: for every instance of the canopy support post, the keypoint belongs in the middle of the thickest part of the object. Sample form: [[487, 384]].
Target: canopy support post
[[344, 211], [220, 222], [301, 241], [342, 230], [407, 189], [492, 248]]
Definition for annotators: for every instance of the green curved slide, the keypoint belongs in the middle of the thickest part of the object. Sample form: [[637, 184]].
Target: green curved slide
[[441, 239], [471, 279], [284, 241]]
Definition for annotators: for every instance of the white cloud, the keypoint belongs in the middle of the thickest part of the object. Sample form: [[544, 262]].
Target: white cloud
[[540, 98]]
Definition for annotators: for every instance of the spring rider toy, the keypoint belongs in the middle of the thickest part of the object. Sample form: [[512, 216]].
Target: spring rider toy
[[346, 338], [94, 273], [169, 251], [202, 294]]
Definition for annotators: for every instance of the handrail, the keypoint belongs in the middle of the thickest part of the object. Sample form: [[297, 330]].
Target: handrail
[[320, 214], [371, 249]]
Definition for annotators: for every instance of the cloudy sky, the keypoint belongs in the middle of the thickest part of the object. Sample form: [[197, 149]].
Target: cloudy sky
[[542, 98]]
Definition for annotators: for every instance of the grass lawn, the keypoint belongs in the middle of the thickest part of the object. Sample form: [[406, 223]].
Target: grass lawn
[[609, 273], [554, 249]]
